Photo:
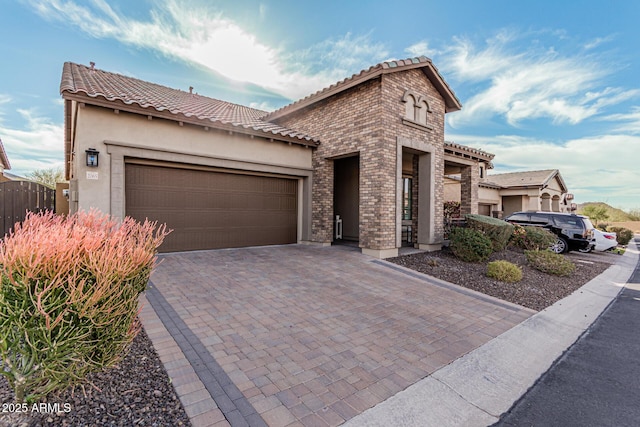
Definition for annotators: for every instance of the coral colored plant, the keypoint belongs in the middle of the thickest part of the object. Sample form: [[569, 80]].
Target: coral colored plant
[[69, 290]]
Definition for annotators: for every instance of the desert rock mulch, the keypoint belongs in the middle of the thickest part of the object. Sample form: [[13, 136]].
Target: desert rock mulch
[[137, 392], [537, 290]]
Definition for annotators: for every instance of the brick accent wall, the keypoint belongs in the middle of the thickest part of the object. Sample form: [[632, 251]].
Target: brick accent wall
[[367, 120], [469, 181], [395, 85]]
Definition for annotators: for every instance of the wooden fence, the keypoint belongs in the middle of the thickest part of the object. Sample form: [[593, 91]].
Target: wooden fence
[[18, 197]]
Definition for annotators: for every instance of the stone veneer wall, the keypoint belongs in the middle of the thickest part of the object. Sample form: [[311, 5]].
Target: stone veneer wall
[[395, 84], [469, 183], [367, 120]]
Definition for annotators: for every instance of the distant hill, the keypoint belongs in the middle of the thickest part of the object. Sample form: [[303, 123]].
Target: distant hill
[[615, 214]]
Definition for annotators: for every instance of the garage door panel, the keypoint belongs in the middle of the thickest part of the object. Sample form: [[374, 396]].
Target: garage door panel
[[209, 210]]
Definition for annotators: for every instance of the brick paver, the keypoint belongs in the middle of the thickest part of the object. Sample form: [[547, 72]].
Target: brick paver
[[312, 335]]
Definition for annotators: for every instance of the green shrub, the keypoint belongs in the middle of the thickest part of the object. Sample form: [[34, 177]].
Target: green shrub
[[550, 263], [504, 271], [69, 290], [497, 230], [532, 238], [624, 234], [469, 245]]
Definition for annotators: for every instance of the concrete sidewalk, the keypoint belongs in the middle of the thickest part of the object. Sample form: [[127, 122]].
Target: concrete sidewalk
[[477, 388]]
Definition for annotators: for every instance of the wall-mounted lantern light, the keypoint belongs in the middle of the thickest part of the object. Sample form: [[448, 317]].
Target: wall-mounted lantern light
[[92, 157]]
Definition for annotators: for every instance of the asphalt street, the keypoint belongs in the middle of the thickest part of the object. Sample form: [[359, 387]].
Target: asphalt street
[[596, 382]]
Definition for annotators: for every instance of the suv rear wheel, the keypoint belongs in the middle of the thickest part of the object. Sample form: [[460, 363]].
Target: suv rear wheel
[[560, 246]]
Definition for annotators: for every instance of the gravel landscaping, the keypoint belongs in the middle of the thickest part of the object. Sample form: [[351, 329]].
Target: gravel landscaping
[[536, 290], [137, 392]]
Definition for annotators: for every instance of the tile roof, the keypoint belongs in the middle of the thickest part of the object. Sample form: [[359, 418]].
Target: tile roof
[[3, 157], [526, 178], [459, 148], [451, 101], [91, 84], [11, 177]]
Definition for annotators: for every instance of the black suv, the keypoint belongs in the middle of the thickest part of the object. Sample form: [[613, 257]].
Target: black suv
[[574, 232]]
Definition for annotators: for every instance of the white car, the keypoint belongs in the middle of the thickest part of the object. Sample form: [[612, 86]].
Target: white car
[[602, 241]]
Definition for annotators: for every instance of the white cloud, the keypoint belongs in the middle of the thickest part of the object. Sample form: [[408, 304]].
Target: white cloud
[[528, 82], [598, 168], [264, 106], [421, 48], [198, 35], [38, 146], [598, 41], [629, 122]]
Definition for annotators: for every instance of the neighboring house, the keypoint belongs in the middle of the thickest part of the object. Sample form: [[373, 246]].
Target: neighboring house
[[369, 149], [502, 194], [4, 164]]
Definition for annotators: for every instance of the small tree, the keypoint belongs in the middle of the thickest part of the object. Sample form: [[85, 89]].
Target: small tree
[[596, 213], [47, 177]]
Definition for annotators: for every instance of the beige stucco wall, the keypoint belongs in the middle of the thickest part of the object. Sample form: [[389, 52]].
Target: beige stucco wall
[[118, 136], [451, 190], [489, 196]]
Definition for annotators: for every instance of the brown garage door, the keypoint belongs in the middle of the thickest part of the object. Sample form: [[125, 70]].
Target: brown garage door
[[211, 210]]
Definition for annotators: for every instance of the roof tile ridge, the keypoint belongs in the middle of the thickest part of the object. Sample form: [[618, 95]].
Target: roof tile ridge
[[381, 65]]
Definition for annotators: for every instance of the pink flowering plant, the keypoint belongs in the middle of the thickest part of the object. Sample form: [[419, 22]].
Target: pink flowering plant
[[69, 290]]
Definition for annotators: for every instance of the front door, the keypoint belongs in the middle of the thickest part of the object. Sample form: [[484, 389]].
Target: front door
[[346, 196]]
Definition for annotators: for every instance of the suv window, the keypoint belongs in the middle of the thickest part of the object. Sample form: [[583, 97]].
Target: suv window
[[539, 219], [569, 222], [519, 217]]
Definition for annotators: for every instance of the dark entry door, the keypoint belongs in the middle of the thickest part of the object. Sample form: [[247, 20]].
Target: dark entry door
[[346, 192]]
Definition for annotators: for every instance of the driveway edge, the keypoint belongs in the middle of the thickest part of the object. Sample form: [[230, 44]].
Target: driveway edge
[[477, 388]]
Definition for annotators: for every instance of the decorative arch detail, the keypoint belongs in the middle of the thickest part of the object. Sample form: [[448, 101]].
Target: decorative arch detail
[[417, 109]]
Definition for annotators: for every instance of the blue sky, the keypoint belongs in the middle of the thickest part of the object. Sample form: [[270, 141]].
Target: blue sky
[[544, 85]]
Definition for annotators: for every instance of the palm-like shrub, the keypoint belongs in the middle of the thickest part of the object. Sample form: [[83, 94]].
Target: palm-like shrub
[[69, 296]]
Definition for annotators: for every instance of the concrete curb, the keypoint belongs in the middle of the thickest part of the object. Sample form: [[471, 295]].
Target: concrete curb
[[477, 388]]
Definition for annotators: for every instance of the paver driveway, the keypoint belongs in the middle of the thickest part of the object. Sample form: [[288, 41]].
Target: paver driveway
[[306, 335]]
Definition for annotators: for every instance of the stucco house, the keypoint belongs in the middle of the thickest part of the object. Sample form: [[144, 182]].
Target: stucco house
[[361, 160], [502, 194]]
